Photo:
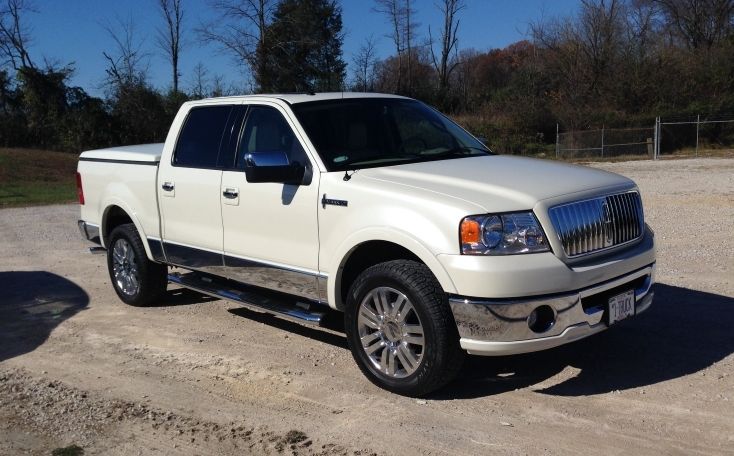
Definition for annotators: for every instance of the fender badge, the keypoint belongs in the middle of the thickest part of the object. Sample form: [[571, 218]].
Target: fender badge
[[333, 202]]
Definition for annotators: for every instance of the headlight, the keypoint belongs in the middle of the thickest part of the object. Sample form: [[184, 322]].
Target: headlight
[[502, 234]]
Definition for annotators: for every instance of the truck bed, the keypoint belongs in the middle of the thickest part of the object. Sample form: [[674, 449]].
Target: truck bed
[[123, 177]]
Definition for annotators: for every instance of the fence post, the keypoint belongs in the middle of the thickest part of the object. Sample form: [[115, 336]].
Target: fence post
[[602, 141], [698, 123], [557, 155], [657, 139]]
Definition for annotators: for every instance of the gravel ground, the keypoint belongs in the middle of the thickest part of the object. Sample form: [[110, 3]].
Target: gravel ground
[[197, 375]]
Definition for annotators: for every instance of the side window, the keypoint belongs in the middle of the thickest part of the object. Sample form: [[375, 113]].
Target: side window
[[269, 138], [200, 138]]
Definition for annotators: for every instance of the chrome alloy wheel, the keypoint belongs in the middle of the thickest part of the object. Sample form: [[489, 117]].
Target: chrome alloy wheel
[[391, 332], [125, 268]]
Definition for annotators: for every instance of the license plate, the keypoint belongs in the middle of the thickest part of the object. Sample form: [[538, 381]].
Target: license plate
[[621, 306]]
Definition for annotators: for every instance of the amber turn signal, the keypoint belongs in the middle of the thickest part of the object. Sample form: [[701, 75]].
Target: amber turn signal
[[470, 231]]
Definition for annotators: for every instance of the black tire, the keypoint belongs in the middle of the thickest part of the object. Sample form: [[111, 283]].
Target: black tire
[[151, 277], [440, 356]]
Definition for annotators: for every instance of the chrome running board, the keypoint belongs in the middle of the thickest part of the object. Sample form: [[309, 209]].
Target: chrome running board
[[256, 299]]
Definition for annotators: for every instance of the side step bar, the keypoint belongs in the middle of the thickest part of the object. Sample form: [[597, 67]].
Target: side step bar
[[260, 300]]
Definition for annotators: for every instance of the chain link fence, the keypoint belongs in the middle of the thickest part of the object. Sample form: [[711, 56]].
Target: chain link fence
[[606, 143], [694, 137], [668, 137]]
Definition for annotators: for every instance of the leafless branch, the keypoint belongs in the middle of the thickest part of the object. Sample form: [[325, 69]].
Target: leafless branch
[[169, 37], [14, 35]]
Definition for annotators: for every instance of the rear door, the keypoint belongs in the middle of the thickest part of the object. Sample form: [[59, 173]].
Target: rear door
[[189, 188]]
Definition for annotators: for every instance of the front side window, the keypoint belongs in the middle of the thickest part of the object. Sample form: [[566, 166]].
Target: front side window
[[269, 140], [201, 135], [362, 133]]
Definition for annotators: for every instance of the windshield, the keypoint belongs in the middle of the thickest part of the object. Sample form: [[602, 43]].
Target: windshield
[[368, 132]]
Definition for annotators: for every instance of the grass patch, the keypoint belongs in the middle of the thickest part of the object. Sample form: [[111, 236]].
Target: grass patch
[[32, 177], [73, 450]]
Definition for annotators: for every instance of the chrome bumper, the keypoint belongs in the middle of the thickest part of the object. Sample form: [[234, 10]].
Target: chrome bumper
[[89, 231], [501, 327]]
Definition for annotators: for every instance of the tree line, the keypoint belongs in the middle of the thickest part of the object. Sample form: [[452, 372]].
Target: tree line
[[612, 63]]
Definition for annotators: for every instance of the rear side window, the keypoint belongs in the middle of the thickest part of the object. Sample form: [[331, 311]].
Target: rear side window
[[201, 136]]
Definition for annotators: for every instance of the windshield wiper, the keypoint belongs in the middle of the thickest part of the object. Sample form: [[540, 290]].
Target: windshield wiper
[[376, 158], [459, 151]]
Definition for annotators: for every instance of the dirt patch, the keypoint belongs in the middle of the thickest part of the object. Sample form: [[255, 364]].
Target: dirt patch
[[54, 408]]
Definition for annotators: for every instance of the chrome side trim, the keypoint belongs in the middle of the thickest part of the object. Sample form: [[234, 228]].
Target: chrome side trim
[[156, 249], [89, 231], [273, 277], [298, 282], [323, 282], [506, 320], [193, 258], [274, 264]]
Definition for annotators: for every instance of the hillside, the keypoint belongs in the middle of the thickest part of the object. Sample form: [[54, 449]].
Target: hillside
[[32, 177]]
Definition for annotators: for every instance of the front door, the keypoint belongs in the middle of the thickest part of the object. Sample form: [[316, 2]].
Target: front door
[[271, 229]]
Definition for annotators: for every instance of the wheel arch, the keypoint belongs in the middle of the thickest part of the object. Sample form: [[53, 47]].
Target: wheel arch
[[367, 251], [115, 215]]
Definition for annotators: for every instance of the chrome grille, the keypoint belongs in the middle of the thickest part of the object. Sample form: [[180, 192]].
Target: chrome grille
[[588, 226]]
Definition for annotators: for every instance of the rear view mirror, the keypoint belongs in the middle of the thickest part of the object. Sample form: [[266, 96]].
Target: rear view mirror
[[274, 167]]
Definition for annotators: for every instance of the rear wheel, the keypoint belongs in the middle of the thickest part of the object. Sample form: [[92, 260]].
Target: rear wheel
[[400, 329], [136, 280]]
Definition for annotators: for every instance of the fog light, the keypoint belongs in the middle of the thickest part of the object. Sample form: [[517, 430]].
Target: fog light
[[541, 319]]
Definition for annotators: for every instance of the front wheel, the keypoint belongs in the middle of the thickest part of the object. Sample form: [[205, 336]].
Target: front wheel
[[136, 280], [400, 329]]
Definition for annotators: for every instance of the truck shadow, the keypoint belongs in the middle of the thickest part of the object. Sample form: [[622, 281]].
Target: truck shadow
[[32, 304], [683, 332], [332, 321], [182, 297]]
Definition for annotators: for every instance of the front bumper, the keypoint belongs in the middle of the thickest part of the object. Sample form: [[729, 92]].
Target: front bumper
[[495, 327]]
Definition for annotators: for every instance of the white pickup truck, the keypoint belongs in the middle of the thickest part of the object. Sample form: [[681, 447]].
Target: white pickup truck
[[377, 206]]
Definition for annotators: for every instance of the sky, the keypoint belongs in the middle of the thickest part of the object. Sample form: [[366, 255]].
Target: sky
[[73, 31]]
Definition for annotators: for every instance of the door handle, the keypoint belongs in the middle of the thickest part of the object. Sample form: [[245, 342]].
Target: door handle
[[168, 186], [230, 193]]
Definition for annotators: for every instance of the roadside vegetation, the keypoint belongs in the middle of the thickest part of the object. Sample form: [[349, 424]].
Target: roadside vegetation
[[32, 177], [613, 64]]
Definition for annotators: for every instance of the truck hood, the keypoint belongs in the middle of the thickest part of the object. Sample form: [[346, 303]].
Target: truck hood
[[499, 182]]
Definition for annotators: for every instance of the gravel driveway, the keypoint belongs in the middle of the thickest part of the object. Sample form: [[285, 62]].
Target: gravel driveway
[[197, 375]]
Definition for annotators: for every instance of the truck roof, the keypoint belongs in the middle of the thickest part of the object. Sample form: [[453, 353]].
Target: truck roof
[[294, 98]]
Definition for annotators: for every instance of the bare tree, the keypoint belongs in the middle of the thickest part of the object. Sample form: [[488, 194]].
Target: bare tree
[[14, 36], [449, 40], [400, 15], [588, 46], [128, 65], [701, 23], [169, 38], [364, 62], [199, 82], [600, 31], [240, 31]]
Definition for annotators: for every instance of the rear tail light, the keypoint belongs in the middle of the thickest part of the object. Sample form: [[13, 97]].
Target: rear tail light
[[79, 189]]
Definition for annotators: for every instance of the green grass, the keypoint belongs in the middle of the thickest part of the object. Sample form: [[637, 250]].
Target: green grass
[[73, 450], [31, 177]]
